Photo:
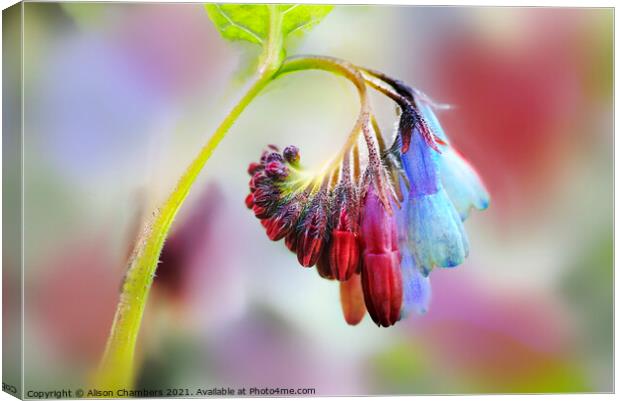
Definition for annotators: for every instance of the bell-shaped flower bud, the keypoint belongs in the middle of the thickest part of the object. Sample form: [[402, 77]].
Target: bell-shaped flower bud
[[436, 235], [381, 276], [344, 250]]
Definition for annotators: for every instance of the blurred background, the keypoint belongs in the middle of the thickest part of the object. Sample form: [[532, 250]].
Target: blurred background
[[118, 99]]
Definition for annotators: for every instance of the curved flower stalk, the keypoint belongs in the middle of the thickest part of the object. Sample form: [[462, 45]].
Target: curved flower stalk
[[379, 227]]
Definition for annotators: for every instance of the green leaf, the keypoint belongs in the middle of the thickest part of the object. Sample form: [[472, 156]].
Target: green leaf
[[252, 22], [301, 18], [240, 21]]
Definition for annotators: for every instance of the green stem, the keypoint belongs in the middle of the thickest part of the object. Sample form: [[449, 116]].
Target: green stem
[[274, 54], [117, 368]]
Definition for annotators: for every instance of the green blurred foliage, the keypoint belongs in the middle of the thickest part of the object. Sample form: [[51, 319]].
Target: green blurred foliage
[[408, 368], [599, 54], [588, 287], [86, 15], [175, 362], [402, 369]]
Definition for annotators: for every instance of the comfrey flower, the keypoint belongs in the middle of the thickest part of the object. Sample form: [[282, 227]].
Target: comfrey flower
[[434, 231], [462, 183], [378, 227]]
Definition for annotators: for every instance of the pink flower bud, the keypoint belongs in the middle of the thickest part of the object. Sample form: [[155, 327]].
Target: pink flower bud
[[276, 170], [381, 276]]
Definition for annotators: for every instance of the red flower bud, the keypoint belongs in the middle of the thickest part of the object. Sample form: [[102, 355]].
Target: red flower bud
[[311, 239], [265, 201], [291, 242], [344, 249], [249, 201], [352, 300], [344, 254], [283, 222], [260, 212], [381, 276], [382, 284], [323, 266], [254, 167], [309, 249], [258, 180]]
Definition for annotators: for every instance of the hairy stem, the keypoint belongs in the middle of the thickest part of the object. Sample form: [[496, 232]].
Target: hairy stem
[[402, 101], [371, 77], [116, 370], [117, 367]]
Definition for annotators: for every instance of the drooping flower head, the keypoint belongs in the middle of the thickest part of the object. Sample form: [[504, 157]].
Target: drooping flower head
[[377, 221]]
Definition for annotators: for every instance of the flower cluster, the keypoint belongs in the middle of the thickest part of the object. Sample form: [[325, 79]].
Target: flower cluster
[[378, 227]]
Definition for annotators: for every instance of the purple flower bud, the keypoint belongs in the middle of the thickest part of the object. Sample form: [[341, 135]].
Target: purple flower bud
[[291, 154], [274, 156], [276, 170]]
